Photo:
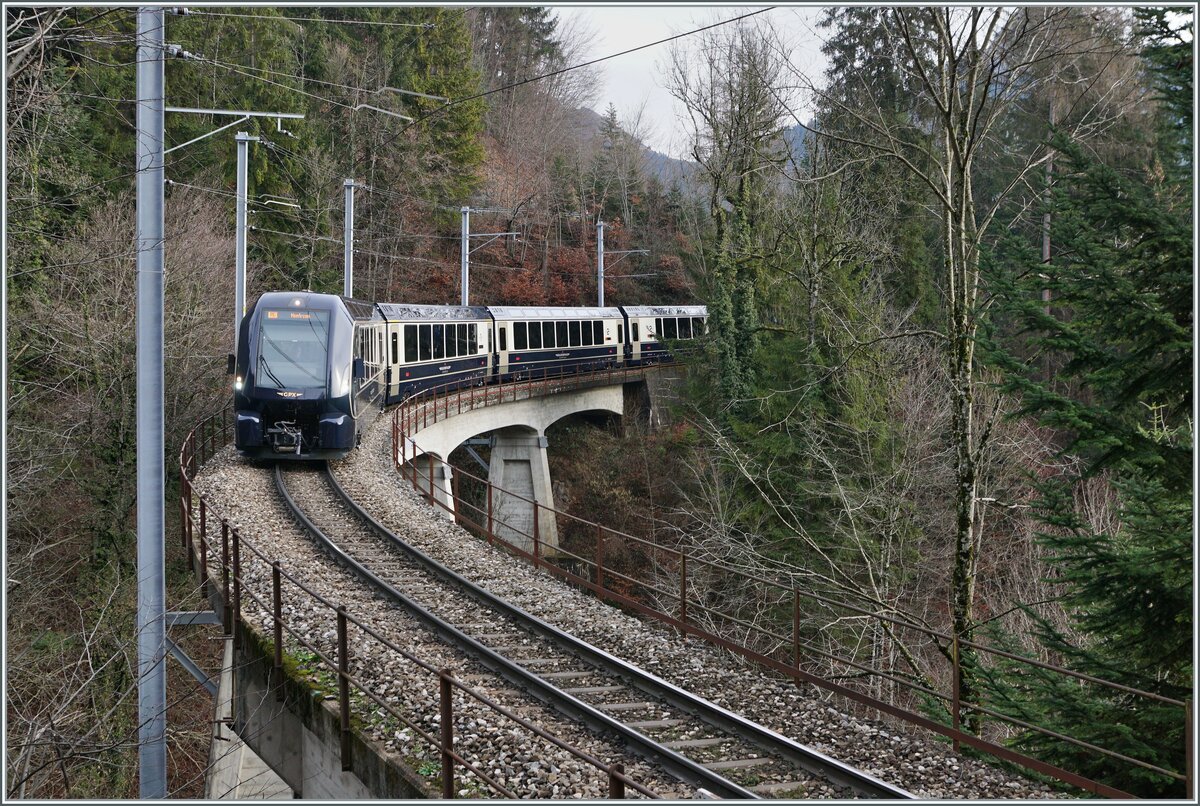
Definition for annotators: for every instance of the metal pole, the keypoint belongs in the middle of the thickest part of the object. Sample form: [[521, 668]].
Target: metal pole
[[277, 606], [465, 282], [243, 179], [446, 717], [151, 623], [616, 785], [600, 264], [343, 660], [348, 234]]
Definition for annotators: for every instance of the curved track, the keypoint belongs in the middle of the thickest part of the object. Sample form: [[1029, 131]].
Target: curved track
[[691, 738]]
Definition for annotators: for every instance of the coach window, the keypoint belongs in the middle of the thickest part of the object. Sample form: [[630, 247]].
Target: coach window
[[426, 343], [439, 342], [395, 347], [561, 337], [621, 333], [587, 334], [465, 347], [520, 336], [685, 328], [672, 331], [548, 335], [633, 331], [410, 343], [451, 341], [597, 332], [697, 326], [503, 339], [658, 329], [473, 345], [535, 335], [576, 339]]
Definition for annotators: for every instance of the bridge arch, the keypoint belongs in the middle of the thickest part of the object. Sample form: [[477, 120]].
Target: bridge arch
[[518, 464]]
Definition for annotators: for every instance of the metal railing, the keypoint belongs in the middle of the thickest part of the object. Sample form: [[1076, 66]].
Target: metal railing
[[236, 581], [680, 576]]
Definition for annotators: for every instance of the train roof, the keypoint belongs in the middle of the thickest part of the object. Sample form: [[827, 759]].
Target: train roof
[[357, 309], [547, 312], [665, 310], [406, 313]]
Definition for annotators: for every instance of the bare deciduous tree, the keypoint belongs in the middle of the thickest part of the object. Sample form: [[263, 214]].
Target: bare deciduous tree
[[972, 66]]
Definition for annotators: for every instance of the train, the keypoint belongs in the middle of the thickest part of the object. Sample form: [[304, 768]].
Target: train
[[312, 371]]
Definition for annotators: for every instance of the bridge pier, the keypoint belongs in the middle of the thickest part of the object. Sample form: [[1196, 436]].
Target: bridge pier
[[519, 466], [443, 478]]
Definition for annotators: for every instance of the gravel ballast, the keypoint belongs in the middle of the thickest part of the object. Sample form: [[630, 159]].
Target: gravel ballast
[[245, 495]]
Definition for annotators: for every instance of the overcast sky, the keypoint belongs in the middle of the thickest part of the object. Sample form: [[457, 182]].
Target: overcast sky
[[628, 81]]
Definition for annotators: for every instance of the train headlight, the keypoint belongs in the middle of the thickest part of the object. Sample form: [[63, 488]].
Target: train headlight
[[237, 384]]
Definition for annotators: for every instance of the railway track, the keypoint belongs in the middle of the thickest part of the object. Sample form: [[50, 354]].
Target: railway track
[[691, 738]]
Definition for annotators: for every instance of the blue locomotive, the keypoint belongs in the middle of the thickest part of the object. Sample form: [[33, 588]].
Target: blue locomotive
[[312, 371]]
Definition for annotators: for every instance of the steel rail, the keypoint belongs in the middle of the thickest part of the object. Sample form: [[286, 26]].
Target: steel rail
[[680, 766], [806, 758]]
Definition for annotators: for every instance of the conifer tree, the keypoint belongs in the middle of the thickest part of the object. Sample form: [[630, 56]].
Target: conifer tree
[[1121, 327]]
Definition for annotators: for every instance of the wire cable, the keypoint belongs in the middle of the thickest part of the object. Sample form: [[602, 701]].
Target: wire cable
[[425, 25], [444, 107]]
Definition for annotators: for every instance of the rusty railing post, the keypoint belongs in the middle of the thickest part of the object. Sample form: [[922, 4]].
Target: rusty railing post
[[1189, 741], [796, 632], [432, 497], [600, 560], [227, 610], [237, 588], [682, 594], [344, 685], [183, 516], [616, 785], [537, 532], [203, 551], [447, 726], [277, 627], [491, 534], [191, 560]]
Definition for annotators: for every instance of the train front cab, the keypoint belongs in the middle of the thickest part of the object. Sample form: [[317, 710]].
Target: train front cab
[[304, 376]]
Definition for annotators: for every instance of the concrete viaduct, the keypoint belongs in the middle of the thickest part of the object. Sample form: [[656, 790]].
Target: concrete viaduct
[[518, 468]]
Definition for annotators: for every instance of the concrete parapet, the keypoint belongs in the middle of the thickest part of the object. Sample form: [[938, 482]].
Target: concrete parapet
[[300, 736], [536, 414], [235, 772], [519, 466]]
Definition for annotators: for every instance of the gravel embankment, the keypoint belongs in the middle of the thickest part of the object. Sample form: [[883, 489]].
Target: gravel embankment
[[927, 768], [244, 494]]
